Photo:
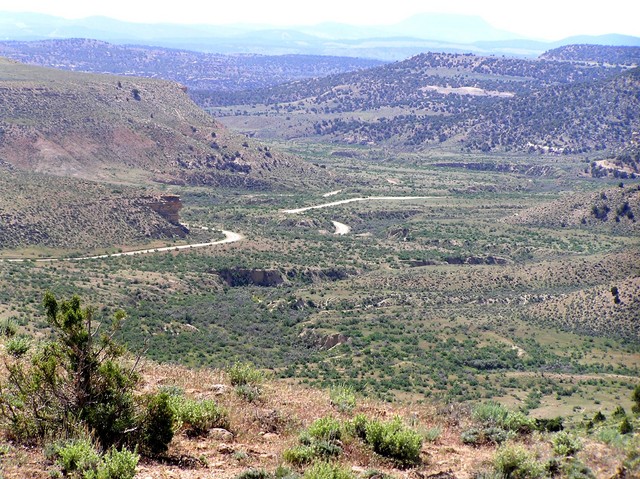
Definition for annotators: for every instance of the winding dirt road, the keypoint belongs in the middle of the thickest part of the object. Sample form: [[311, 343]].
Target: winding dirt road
[[353, 200], [229, 237], [341, 228]]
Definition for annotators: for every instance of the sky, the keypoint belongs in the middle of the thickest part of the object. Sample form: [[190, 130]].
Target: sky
[[542, 19]]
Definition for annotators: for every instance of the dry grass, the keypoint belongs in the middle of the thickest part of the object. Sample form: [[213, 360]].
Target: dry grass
[[264, 429]]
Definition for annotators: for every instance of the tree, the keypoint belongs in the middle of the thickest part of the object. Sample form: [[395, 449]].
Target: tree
[[616, 294], [635, 397], [75, 380]]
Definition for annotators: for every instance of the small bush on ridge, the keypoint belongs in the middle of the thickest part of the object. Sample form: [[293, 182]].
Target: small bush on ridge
[[394, 440], [254, 474], [517, 463], [565, 444], [116, 465], [158, 423], [76, 456], [80, 459], [241, 374], [326, 470], [18, 346], [319, 440], [197, 417], [327, 428], [342, 398], [299, 455], [485, 435], [490, 412], [8, 327]]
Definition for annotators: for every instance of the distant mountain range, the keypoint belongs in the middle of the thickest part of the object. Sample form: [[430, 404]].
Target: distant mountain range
[[417, 34], [196, 70]]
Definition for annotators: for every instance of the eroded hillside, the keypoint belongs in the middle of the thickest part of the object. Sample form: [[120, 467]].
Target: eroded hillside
[[57, 213], [100, 126]]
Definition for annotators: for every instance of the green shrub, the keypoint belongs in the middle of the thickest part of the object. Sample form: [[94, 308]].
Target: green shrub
[[632, 461], [326, 428], [326, 449], [619, 413], [171, 390], [197, 417], [575, 469], [18, 346], [249, 392], [565, 444], [112, 411], [635, 397], [472, 436], [299, 455], [245, 373], [254, 474], [74, 380], [375, 474], [432, 434], [319, 440], [394, 440], [493, 414], [158, 422], [80, 459], [343, 398], [283, 472], [550, 425], [485, 435], [326, 470], [359, 426], [116, 465], [77, 456], [625, 426], [518, 422], [490, 412], [610, 436], [8, 327], [240, 456], [516, 462]]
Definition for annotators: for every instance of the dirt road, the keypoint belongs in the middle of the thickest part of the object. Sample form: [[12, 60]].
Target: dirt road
[[230, 237]]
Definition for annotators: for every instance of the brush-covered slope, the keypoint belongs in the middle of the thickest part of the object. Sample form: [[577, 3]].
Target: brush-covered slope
[[406, 83], [106, 126], [208, 71], [47, 211], [282, 430], [615, 209], [612, 55], [576, 118], [475, 103]]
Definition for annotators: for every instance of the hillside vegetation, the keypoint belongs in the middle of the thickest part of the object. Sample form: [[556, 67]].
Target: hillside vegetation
[[75, 405], [52, 212], [101, 126], [419, 247], [614, 210], [469, 102], [618, 55], [197, 70]]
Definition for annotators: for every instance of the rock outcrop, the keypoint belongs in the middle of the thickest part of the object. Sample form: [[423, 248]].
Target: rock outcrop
[[257, 277], [323, 341], [167, 206]]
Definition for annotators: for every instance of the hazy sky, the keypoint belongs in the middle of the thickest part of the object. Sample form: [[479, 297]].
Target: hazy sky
[[543, 19]]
